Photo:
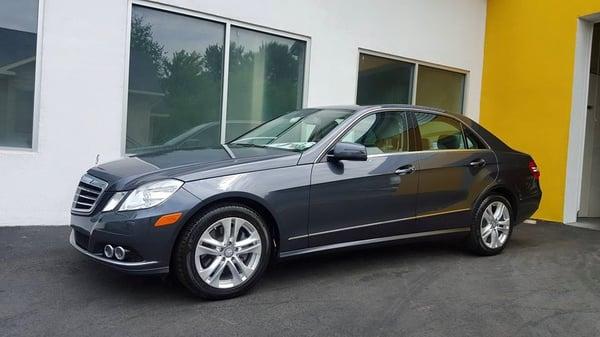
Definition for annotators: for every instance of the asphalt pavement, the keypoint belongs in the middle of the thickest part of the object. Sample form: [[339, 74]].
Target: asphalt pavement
[[546, 283]]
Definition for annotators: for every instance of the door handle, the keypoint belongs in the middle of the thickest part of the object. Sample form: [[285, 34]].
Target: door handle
[[404, 170], [477, 163]]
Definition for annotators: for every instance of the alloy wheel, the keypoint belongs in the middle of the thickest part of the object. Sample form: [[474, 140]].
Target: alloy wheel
[[495, 225], [228, 252]]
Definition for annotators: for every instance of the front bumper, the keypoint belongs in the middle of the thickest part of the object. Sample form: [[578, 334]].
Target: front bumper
[[149, 248], [143, 267]]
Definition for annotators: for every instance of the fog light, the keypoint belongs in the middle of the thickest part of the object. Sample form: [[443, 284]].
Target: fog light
[[120, 253], [109, 251]]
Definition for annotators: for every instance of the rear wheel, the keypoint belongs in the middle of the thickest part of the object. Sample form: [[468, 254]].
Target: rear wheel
[[223, 253], [492, 226]]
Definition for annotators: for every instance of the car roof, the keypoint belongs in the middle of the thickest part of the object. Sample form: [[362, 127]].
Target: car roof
[[357, 108], [493, 141]]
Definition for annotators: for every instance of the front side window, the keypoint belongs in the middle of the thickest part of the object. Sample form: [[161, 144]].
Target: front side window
[[175, 78], [439, 132], [383, 132], [295, 131], [18, 41]]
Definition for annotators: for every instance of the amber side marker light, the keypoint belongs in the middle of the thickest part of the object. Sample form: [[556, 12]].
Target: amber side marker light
[[168, 219]]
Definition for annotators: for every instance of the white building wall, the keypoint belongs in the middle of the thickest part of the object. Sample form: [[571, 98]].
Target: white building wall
[[83, 73]]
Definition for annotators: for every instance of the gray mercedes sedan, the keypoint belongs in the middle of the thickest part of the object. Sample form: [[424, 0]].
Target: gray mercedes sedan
[[309, 181]]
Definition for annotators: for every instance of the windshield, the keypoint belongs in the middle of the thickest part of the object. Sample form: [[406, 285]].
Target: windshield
[[295, 131]]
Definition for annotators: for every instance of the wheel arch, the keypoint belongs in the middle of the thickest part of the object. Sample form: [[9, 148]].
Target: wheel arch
[[244, 199], [504, 191]]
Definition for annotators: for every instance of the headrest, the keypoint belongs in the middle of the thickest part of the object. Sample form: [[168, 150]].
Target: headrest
[[448, 142], [425, 144]]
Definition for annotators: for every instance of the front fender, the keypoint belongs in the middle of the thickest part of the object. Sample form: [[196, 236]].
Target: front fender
[[283, 192]]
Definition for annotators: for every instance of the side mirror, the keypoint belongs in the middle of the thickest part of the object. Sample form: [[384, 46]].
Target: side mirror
[[347, 151]]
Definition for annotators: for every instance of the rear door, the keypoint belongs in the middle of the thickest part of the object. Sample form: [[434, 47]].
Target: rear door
[[358, 200], [455, 168]]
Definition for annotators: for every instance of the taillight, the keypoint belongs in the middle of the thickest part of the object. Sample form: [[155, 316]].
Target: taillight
[[535, 171]]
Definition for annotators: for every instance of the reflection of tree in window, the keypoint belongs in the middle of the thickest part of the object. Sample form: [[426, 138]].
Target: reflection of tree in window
[[170, 93], [265, 76], [176, 77]]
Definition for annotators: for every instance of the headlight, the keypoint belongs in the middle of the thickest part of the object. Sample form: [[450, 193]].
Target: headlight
[[151, 194], [114, 201]]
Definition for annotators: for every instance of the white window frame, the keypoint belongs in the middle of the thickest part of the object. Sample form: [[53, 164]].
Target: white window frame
[[415, 75], [36, 88], [578, 117], [214, 18]]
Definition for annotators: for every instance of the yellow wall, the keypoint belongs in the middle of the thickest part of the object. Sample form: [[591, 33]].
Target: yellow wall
[[527, 83]]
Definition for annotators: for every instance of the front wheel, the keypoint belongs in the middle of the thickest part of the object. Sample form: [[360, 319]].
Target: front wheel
[[491, 227], [223, 253]]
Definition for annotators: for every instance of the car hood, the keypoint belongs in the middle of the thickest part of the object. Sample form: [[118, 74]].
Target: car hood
[[190, 164]]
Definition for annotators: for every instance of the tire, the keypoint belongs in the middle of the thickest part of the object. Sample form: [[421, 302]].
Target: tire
[[214, 268], [490, 236]]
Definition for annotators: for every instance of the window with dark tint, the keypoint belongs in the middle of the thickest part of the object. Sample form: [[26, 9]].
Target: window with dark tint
[[383, 81], [18, 39], [266, 78], [439, 88], [384, 132], [175, 78], [473, 141], [439, 132]]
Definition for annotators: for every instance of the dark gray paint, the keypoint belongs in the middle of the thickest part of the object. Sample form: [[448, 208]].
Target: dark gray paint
[[447, 183], [283, 191], [310, 202], [348, 193]]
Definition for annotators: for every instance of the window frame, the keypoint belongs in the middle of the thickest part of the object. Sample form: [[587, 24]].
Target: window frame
[[36, 88], [415, 75], [228, 23], [466, 129]]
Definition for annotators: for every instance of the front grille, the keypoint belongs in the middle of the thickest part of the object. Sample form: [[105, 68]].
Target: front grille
[[88, 193]]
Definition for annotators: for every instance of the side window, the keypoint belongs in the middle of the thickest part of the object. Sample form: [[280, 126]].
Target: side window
[[384, 132], [473, 142], [439, 132]]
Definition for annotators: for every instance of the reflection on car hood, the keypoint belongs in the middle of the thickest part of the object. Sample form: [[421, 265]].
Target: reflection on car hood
[[190, 164]]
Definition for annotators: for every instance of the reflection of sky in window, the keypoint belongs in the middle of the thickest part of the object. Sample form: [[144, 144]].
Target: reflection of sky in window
[[252, 40], [19, 15], [176, 32]]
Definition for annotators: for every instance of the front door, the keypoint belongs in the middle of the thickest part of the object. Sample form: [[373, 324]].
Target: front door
[[358, 200], [455, 168]]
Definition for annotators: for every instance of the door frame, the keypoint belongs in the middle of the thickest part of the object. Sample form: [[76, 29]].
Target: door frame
[[581, 79]]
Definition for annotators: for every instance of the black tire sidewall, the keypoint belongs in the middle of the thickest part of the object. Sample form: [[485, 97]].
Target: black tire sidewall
[[187, 270], [476, 241]]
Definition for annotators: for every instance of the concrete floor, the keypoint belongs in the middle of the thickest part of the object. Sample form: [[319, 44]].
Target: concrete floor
[[547, 283], [589, 223]]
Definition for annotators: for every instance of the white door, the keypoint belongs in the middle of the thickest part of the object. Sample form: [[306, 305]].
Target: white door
[[590, 183]]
